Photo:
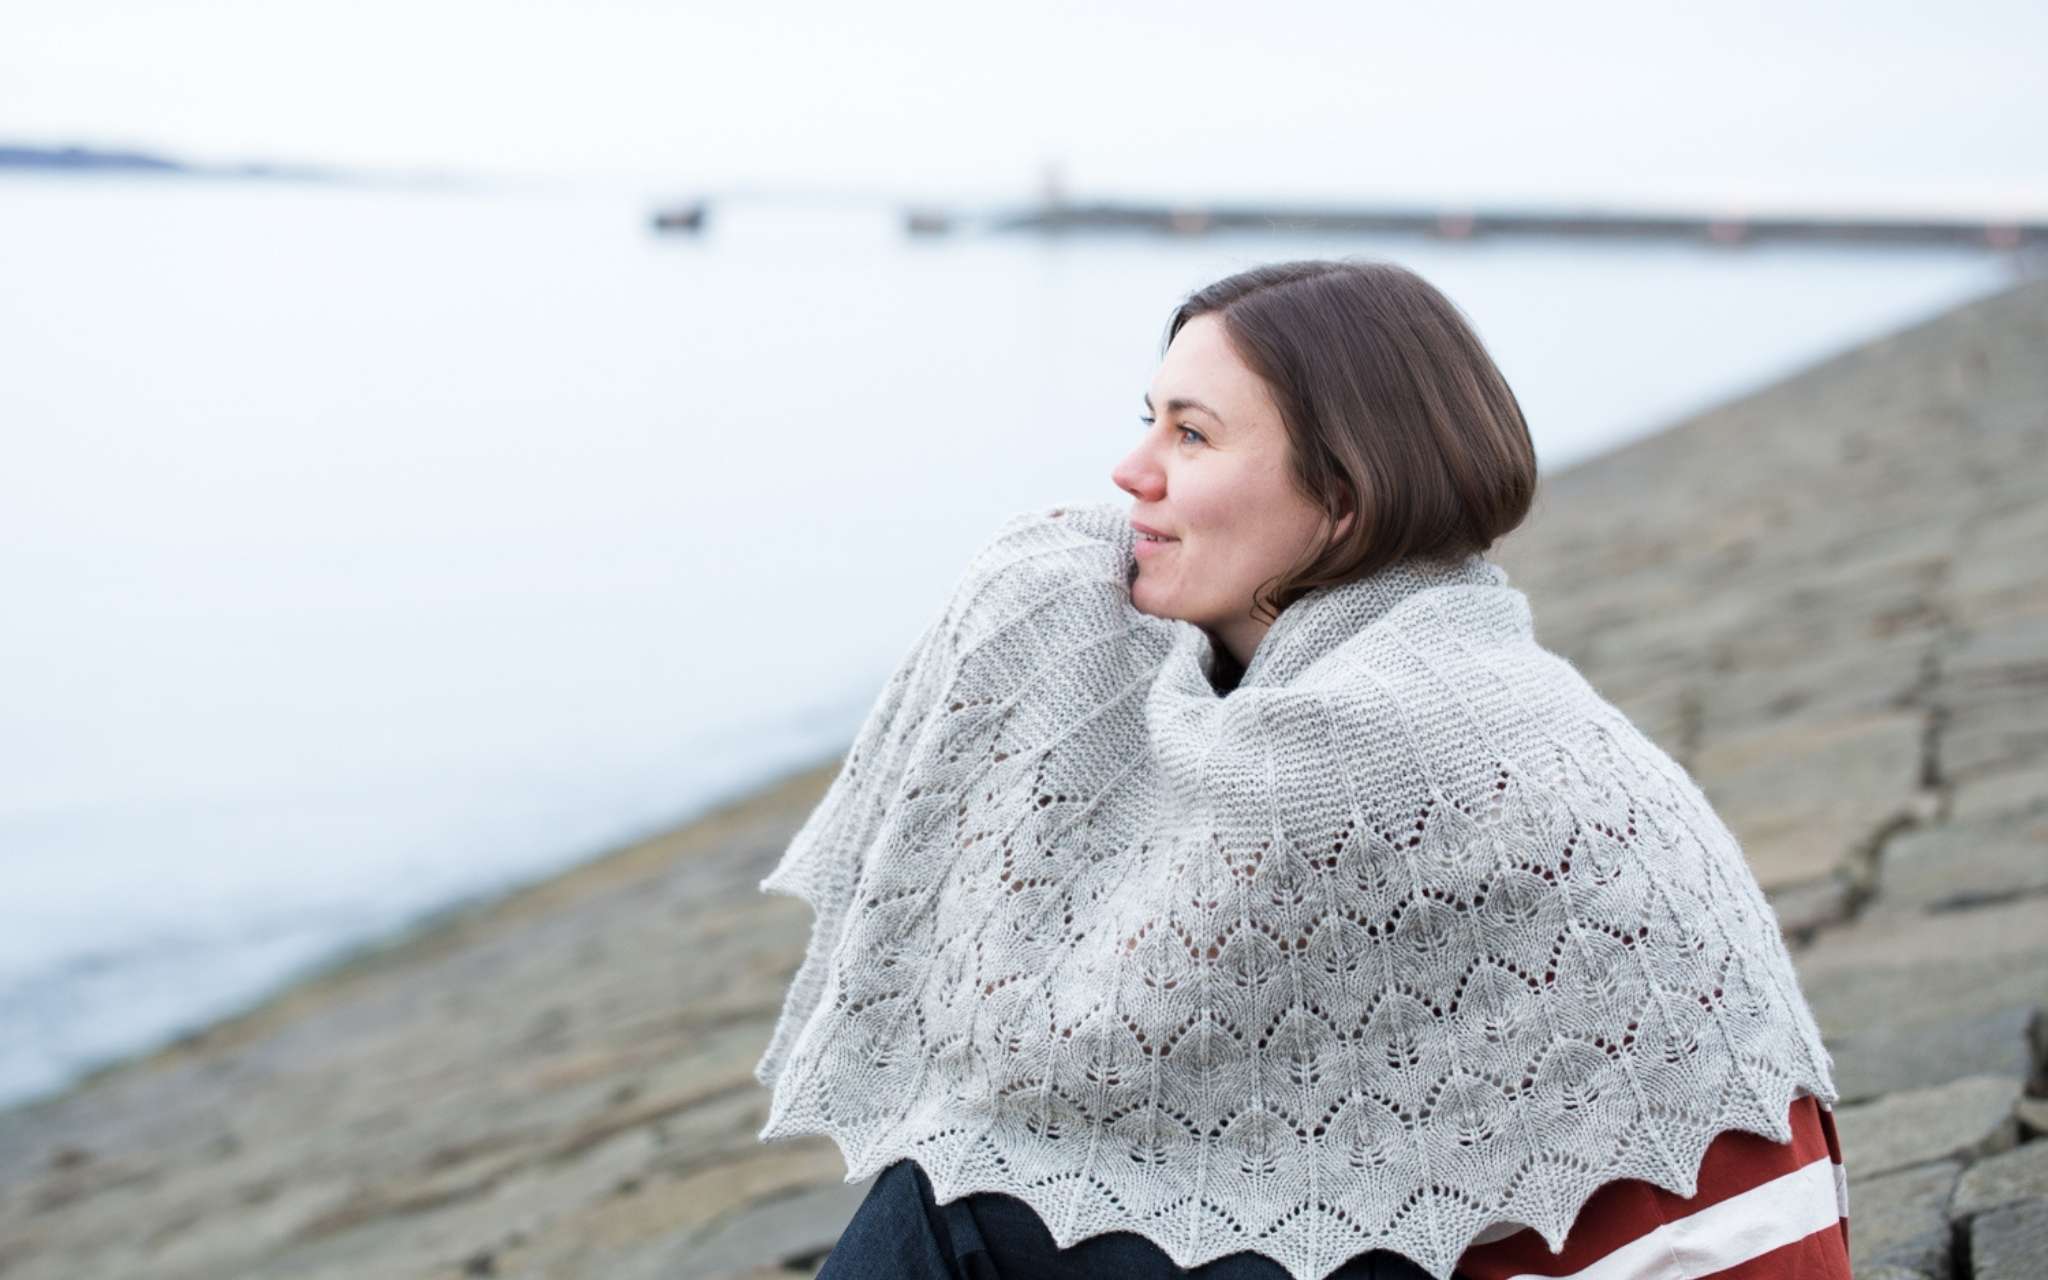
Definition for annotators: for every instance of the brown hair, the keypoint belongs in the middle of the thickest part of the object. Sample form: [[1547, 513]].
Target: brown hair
[[1393, 410]]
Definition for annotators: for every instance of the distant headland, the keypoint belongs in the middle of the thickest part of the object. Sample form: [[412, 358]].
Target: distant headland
[[94, 160]]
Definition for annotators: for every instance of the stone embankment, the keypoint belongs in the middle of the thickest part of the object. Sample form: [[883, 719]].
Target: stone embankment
[[1828, 599]]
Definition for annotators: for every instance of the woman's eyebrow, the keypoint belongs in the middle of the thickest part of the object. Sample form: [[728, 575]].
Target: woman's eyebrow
[[1178, 403]]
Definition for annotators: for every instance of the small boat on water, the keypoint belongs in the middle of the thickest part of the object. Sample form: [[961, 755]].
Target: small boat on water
[[682, 217]]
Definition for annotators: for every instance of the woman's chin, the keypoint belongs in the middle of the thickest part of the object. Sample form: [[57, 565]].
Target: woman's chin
[[1144, 600]]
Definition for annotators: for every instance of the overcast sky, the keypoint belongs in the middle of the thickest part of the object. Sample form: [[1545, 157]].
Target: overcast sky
[[1903, 105]]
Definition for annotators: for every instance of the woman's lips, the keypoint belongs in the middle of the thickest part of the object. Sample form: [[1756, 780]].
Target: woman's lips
[[1149, 547]]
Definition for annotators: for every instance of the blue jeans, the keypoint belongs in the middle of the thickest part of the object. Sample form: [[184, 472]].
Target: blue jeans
[[900, 1232]]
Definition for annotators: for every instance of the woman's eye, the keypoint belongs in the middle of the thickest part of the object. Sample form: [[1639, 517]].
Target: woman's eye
[[1148, 421]]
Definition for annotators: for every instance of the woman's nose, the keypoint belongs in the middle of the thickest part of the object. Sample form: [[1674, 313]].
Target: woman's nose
[[1137, 476]]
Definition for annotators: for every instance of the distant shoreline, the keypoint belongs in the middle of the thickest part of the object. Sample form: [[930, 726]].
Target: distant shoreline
[[66, 160], [94, 162], [1455, 223]]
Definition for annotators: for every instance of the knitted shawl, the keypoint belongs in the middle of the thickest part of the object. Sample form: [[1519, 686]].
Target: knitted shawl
[[1409, 940]]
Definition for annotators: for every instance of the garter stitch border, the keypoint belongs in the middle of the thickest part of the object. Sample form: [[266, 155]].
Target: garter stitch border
[[1408, 940]]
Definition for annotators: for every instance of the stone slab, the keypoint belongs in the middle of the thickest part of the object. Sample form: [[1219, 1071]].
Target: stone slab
[[2033, 1113], [1963, 1119], [1804, 798], [1828, 685], [1902, 1220], [1985, 733], [773, 1233], [2010, 1177], [2014, 792], [1880, 971], [1948, 865], [2011, 1243], [1899, 1056], [1805, 909], [1998, 575]]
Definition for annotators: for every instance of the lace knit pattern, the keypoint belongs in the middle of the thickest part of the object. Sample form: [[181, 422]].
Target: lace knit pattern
[[1409, 935]]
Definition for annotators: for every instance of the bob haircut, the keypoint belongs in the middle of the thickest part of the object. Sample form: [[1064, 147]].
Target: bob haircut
[[1393, 410]]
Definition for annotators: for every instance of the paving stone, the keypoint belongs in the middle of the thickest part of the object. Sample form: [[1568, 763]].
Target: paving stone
[[693, 1203], [1993, 687], [1998, 573], [2033, 1114], [1662, 713], [1964, 1118], [1644, 629], [1950, 864], [2011, 1243], [2005, 793], [1901, 1056], [769, 1233], [1829, 685], [1901, 1220], [1880, 594], [1875, 972], [2010, 653], [1803, 797], [1802, 909], [1991, 731], [2007, 1178]]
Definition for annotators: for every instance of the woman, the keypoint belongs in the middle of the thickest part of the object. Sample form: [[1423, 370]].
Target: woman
[[1228, 884]]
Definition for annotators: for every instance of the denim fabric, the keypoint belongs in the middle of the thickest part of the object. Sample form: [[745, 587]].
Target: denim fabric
[[900, 1232]]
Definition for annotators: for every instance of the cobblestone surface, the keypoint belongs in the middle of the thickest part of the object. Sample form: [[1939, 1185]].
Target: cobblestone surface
[[1826, 599]]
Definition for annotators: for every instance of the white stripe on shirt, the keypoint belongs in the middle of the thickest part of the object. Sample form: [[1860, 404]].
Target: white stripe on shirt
[[1768, 1216]]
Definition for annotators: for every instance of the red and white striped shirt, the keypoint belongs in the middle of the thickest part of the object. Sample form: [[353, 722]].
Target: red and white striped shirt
[[1763, 1211]]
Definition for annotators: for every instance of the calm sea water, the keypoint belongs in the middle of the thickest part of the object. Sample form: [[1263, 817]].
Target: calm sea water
[[363, 551]]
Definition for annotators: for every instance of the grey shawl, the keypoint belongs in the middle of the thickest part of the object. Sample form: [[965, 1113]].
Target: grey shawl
[[1408, 940]]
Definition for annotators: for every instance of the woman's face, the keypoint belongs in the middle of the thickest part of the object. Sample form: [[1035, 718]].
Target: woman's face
[[1212, 471]]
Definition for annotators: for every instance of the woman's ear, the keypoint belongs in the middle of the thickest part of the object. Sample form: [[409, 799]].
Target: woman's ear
[[1343, 526]]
